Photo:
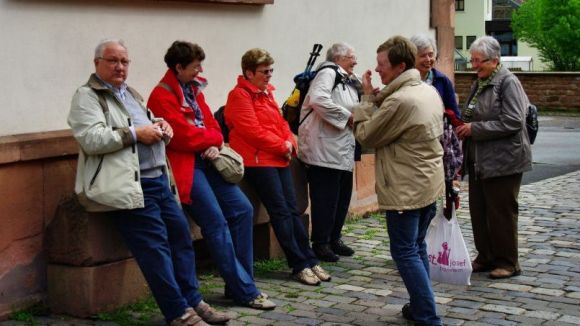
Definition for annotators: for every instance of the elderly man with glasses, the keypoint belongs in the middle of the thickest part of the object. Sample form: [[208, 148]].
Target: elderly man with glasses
[[122, 169]]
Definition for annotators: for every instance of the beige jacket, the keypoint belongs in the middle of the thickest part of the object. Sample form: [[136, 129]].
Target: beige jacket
[[404, 123], [324, 138]]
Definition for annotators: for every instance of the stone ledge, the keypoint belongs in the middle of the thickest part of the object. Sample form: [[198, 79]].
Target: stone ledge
[[85, 291], [38, 145]]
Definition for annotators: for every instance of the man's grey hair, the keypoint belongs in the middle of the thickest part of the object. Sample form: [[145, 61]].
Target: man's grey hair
[[103, 43], [423, 41], [488, 46], [338, 50]]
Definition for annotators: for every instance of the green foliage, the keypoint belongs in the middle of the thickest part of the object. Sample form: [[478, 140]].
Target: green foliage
[[209, 281], [27, 316], [269, 265], [370, 234], [553, 27], [136, 314]]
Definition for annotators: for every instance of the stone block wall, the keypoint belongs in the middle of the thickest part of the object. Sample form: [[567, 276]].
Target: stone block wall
[[37, 172], [547, 90]]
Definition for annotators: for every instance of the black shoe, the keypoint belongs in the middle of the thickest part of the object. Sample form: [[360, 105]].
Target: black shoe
[[407, 312], [339, 248], [324, 253]]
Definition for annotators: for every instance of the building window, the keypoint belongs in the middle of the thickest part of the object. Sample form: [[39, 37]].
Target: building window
[[459, 5], [459, 42], [469, 40]]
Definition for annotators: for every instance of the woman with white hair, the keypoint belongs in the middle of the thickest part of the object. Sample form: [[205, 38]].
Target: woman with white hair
[[327, 147], [497, 151], [425, 62]]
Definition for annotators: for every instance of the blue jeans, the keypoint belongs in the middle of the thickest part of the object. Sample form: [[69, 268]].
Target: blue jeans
[[225, 216], [330, 192], [159, 239], [407, 231], [276, 191]]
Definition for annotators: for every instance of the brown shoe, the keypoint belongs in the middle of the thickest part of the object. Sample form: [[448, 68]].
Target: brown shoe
[[189, 318], [210, 315], [504, 272], [479, 268]]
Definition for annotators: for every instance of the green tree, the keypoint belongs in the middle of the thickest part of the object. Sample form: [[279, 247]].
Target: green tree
[[552, 27]]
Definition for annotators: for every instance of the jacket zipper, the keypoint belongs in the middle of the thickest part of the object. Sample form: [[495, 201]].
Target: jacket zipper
[[133, 145], [97, 171]]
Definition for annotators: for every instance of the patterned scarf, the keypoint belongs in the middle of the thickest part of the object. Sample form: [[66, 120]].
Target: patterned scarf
[[467, 112], [190, 99]]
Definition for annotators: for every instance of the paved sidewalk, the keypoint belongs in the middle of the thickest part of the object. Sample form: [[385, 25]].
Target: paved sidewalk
[[366, 289]]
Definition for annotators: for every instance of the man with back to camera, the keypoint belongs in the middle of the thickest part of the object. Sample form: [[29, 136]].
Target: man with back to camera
[[403, 122]]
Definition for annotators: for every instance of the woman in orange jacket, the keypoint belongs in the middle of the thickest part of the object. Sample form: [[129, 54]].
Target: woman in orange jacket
[[260, 134]]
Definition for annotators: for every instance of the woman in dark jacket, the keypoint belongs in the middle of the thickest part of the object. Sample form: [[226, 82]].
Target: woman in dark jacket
[[497, 152]]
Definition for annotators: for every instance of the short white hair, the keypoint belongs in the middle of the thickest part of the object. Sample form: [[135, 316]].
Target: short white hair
[[488, 46], [103, 43], [423, 41], [337, 50]]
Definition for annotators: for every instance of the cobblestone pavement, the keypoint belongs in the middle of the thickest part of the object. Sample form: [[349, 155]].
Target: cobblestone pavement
[[366, 289]]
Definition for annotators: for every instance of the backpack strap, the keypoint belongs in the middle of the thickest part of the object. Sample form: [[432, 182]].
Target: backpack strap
[[166, 87], [338, 79]]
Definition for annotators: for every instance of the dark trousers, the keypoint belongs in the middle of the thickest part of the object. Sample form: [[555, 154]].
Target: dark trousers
[[276, 191], [330, 193], [159, 239], [493, 205]]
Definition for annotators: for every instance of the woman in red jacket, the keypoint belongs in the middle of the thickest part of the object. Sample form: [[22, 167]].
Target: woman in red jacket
[[260, 134], [221, 210]]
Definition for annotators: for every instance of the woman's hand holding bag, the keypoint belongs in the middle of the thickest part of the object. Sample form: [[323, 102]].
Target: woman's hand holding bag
[[229, 164]]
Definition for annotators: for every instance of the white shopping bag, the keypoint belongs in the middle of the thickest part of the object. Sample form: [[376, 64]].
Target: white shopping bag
[[449, 260]]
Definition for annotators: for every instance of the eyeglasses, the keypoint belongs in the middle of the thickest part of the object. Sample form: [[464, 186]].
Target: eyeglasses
[[115, 62], [351, 57], [266, 71], [472, 61]]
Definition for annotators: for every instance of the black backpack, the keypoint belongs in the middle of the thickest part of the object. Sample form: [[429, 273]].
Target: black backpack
[[532, 125], [291, 108], [221, 120], [532, 122]]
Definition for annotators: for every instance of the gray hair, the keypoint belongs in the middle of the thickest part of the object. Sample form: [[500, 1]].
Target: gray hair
[[338, 50], [488, 46], [103, 43], [423, 41]]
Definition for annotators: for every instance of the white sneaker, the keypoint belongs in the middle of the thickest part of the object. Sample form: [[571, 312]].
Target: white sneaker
[[261, 302], [307, 276], [322, 275]]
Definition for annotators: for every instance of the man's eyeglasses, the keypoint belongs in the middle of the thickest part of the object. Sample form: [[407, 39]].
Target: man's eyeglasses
[[115, 62], [472, 61], [266, 71]]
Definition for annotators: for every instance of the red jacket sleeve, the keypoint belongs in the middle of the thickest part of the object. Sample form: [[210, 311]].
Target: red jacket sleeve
[[241, 115], [186, 136]]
